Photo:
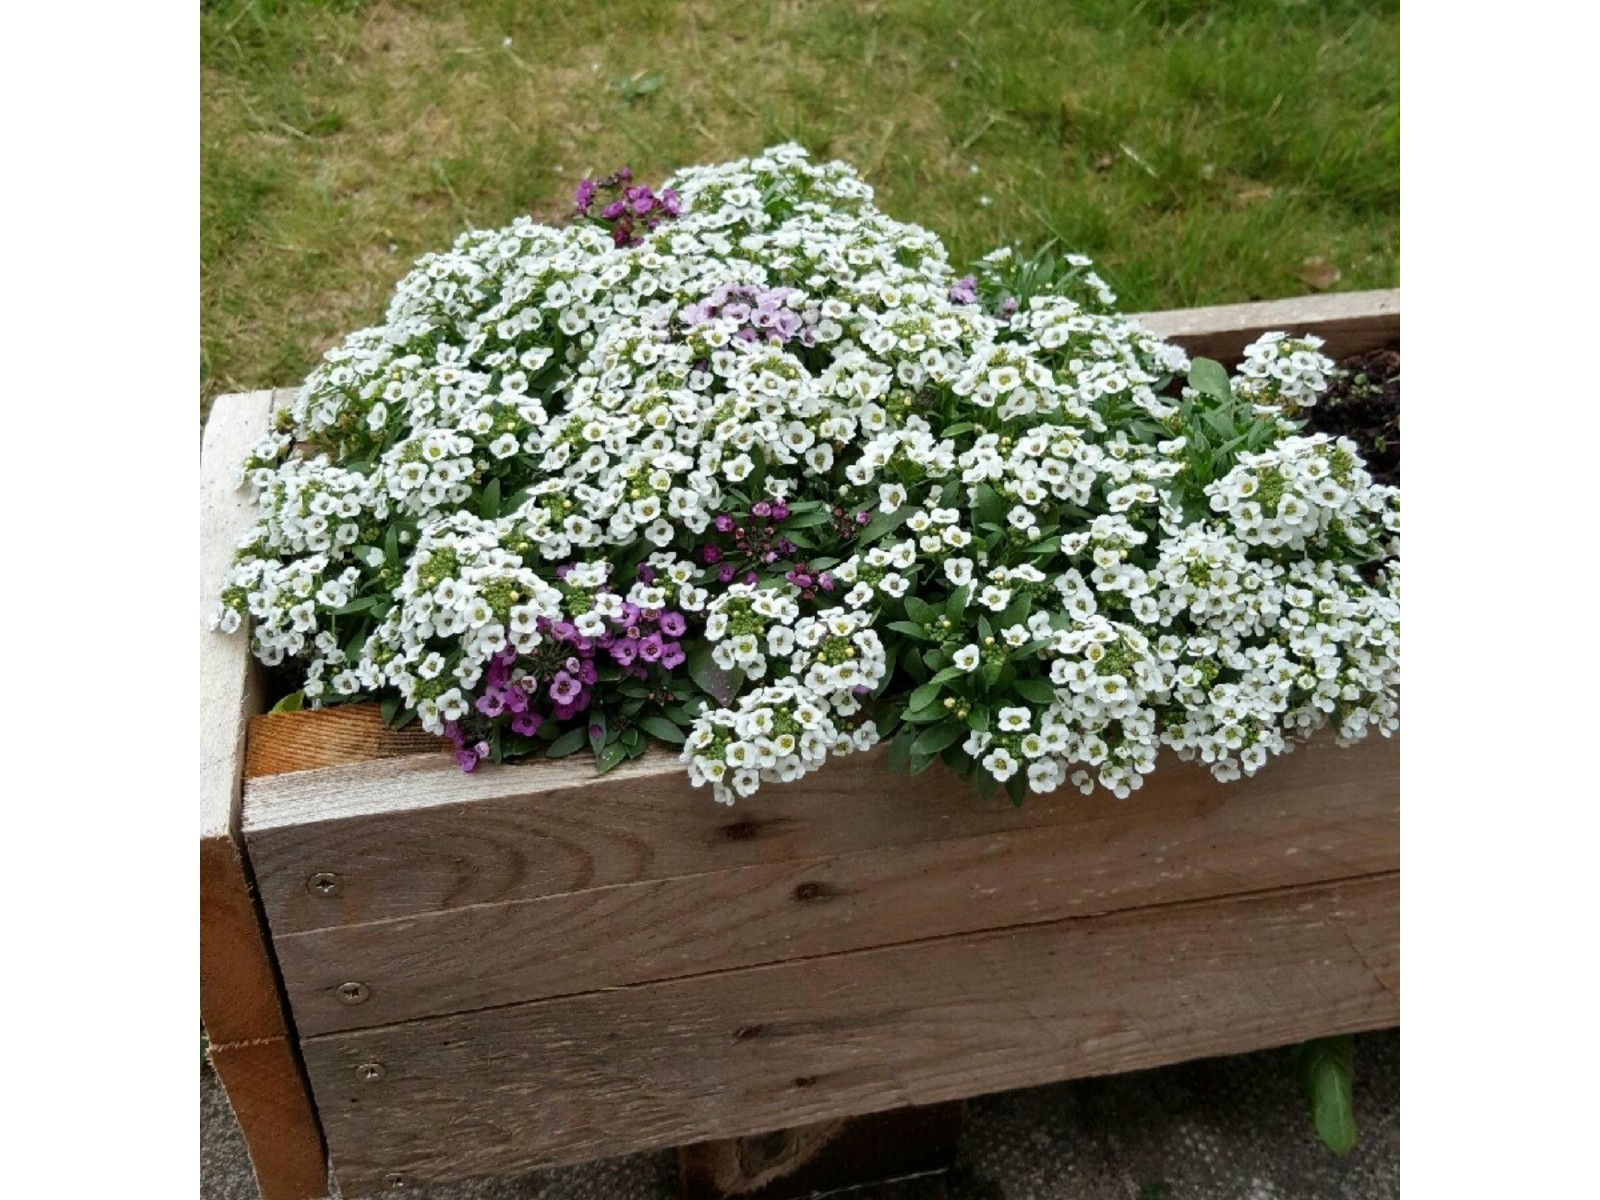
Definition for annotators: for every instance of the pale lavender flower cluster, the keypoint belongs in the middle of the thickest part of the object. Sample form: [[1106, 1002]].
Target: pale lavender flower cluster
[[762, 314]]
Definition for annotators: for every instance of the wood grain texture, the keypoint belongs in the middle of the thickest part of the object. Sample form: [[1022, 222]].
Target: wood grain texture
[[1309, 818], [280, 743], [412, 836], [823, 1158], [1350, 323], [725, 1055], [270, 1098]]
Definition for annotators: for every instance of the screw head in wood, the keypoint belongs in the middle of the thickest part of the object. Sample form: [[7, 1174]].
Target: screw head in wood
[[371, 1071], [353, 992], [325, 883], [394, 1179]]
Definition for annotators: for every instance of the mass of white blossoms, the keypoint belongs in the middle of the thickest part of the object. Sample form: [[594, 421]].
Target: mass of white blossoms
[[761, 476]]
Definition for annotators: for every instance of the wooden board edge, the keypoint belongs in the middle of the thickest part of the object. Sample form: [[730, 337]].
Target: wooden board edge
[[1350, 322], [272, 1103], [253, 1048], [229, 683]]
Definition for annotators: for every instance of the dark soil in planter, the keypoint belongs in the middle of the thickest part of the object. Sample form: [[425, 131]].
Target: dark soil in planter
[[1363, 404]]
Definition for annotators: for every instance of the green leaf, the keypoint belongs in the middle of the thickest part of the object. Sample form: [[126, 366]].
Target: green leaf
[[662, 729], [293, 702], [900, 749], [391, 545], [389, 707], [910, 629], [1327, 1074], [1037, 690], [936, 737], [920, 611], [722, 686], [1017, 788], [924, 696], [978, 719], [1211, 377], [1015, 612], [610, 756], [365, 604], [597, 731], [986, 785], [489, 507], [883, 523], [988, 507], [568, 742], [921, 762], [808, 520]]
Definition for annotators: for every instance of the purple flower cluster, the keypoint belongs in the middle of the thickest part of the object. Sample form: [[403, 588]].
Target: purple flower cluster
[[641, 637], [634, 205], [765, 314], [559, 677], [964, 290], [749, 542], [810, 582]]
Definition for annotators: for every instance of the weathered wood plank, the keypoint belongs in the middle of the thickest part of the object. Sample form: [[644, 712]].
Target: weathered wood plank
[[414, 835], [226, 675], [270, 1099], [240, 1002], [819, 1159], [1182, 837], [1350, 323], [730, 1054]]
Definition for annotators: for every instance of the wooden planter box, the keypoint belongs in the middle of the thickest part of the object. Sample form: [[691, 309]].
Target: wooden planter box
[[444, 975]]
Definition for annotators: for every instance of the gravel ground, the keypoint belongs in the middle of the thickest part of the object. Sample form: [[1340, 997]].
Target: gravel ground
[[1220, 1129]]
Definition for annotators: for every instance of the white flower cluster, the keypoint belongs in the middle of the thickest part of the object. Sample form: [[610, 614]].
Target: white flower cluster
[[554, 444], [1283, 372]]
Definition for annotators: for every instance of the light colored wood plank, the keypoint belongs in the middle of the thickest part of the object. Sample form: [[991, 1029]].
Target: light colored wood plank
[[226, 677], [272, 1103], [280, 743], [717, 1056], [1319, 814], [414, 835], [1350, 322], [240, 1002]]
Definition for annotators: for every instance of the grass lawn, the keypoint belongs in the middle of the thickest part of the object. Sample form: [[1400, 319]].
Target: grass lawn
[[1201, 152]]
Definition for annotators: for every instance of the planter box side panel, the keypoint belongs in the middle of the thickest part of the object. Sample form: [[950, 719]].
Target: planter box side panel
[[1319, 814], [656, 1065]]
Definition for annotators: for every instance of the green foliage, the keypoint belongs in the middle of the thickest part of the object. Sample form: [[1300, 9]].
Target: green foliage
[[1326, 1068]]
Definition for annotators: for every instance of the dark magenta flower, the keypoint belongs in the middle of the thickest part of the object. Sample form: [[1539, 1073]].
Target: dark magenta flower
[[673, 624], [526, 723]]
